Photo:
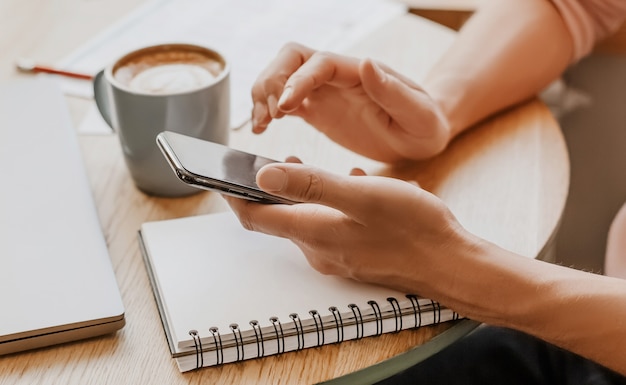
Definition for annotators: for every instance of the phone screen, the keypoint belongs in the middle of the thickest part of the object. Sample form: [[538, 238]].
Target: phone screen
[[215, 167]]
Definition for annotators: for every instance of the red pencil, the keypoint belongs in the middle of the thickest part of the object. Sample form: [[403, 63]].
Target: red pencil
[[29, 66]]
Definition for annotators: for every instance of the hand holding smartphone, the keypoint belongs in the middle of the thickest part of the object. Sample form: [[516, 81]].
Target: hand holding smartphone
[[215, 167]]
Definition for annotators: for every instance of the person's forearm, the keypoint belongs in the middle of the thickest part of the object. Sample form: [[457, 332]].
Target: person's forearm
[[581, 312], [507, 52]]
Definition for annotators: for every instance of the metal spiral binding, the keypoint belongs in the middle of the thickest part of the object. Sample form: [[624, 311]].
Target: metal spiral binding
[[238, 341], [258, 334], [319, 328], [436, 312], [278, 326], [299, 330], [397, 312], [417, 310], [217, 339], [198, 345], [338, 322], [379, 316], [358, 319]]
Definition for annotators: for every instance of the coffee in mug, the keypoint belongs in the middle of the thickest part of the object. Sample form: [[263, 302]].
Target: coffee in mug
[[177, 69], [171, 87]]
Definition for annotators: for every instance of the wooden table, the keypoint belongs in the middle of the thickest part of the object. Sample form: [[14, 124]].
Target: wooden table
[[505, 180]]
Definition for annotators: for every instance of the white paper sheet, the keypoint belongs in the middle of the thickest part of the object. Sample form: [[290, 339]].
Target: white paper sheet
[[248, 32]]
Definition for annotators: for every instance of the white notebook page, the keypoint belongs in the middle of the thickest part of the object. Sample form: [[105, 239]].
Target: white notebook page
[[211, 272]]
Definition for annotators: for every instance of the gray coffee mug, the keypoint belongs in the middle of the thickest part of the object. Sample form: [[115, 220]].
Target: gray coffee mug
[[139, 115]]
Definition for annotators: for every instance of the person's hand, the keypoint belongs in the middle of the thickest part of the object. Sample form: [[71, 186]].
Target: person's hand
[[362, 105], [368, 228]]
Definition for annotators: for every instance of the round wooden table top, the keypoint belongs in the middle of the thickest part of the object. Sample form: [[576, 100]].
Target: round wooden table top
[[505, 180]]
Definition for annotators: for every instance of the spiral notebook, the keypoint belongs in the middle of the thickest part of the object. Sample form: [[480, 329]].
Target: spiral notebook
[[226, 294]]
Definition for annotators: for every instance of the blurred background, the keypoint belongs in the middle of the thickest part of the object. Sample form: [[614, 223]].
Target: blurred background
[[595, 132]]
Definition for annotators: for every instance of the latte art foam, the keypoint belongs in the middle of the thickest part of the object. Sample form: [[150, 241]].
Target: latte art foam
[[168, 78]]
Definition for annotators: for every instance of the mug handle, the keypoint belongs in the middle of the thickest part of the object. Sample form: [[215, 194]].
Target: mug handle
[[101, 97]]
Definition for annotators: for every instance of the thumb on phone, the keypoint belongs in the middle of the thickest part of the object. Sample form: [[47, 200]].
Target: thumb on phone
[[306, 184]]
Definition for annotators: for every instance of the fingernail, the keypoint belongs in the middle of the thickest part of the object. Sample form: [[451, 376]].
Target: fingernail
[[271, 105], [272, 179], [259, 112], [379, 72], [285, 96]]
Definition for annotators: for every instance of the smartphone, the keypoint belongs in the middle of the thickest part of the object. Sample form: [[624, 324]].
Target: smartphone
[[215, 167]]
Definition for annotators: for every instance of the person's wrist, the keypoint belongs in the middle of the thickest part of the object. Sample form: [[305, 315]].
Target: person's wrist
[[454, 269], [447, 98]]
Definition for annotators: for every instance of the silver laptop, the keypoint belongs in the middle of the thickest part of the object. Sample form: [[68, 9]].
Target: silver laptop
[[56, 279]]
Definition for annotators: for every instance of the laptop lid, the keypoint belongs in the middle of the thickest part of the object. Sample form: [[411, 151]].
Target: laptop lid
[[56, 279]]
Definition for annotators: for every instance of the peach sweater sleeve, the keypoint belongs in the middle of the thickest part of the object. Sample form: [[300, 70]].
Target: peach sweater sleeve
[[590, 21]]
